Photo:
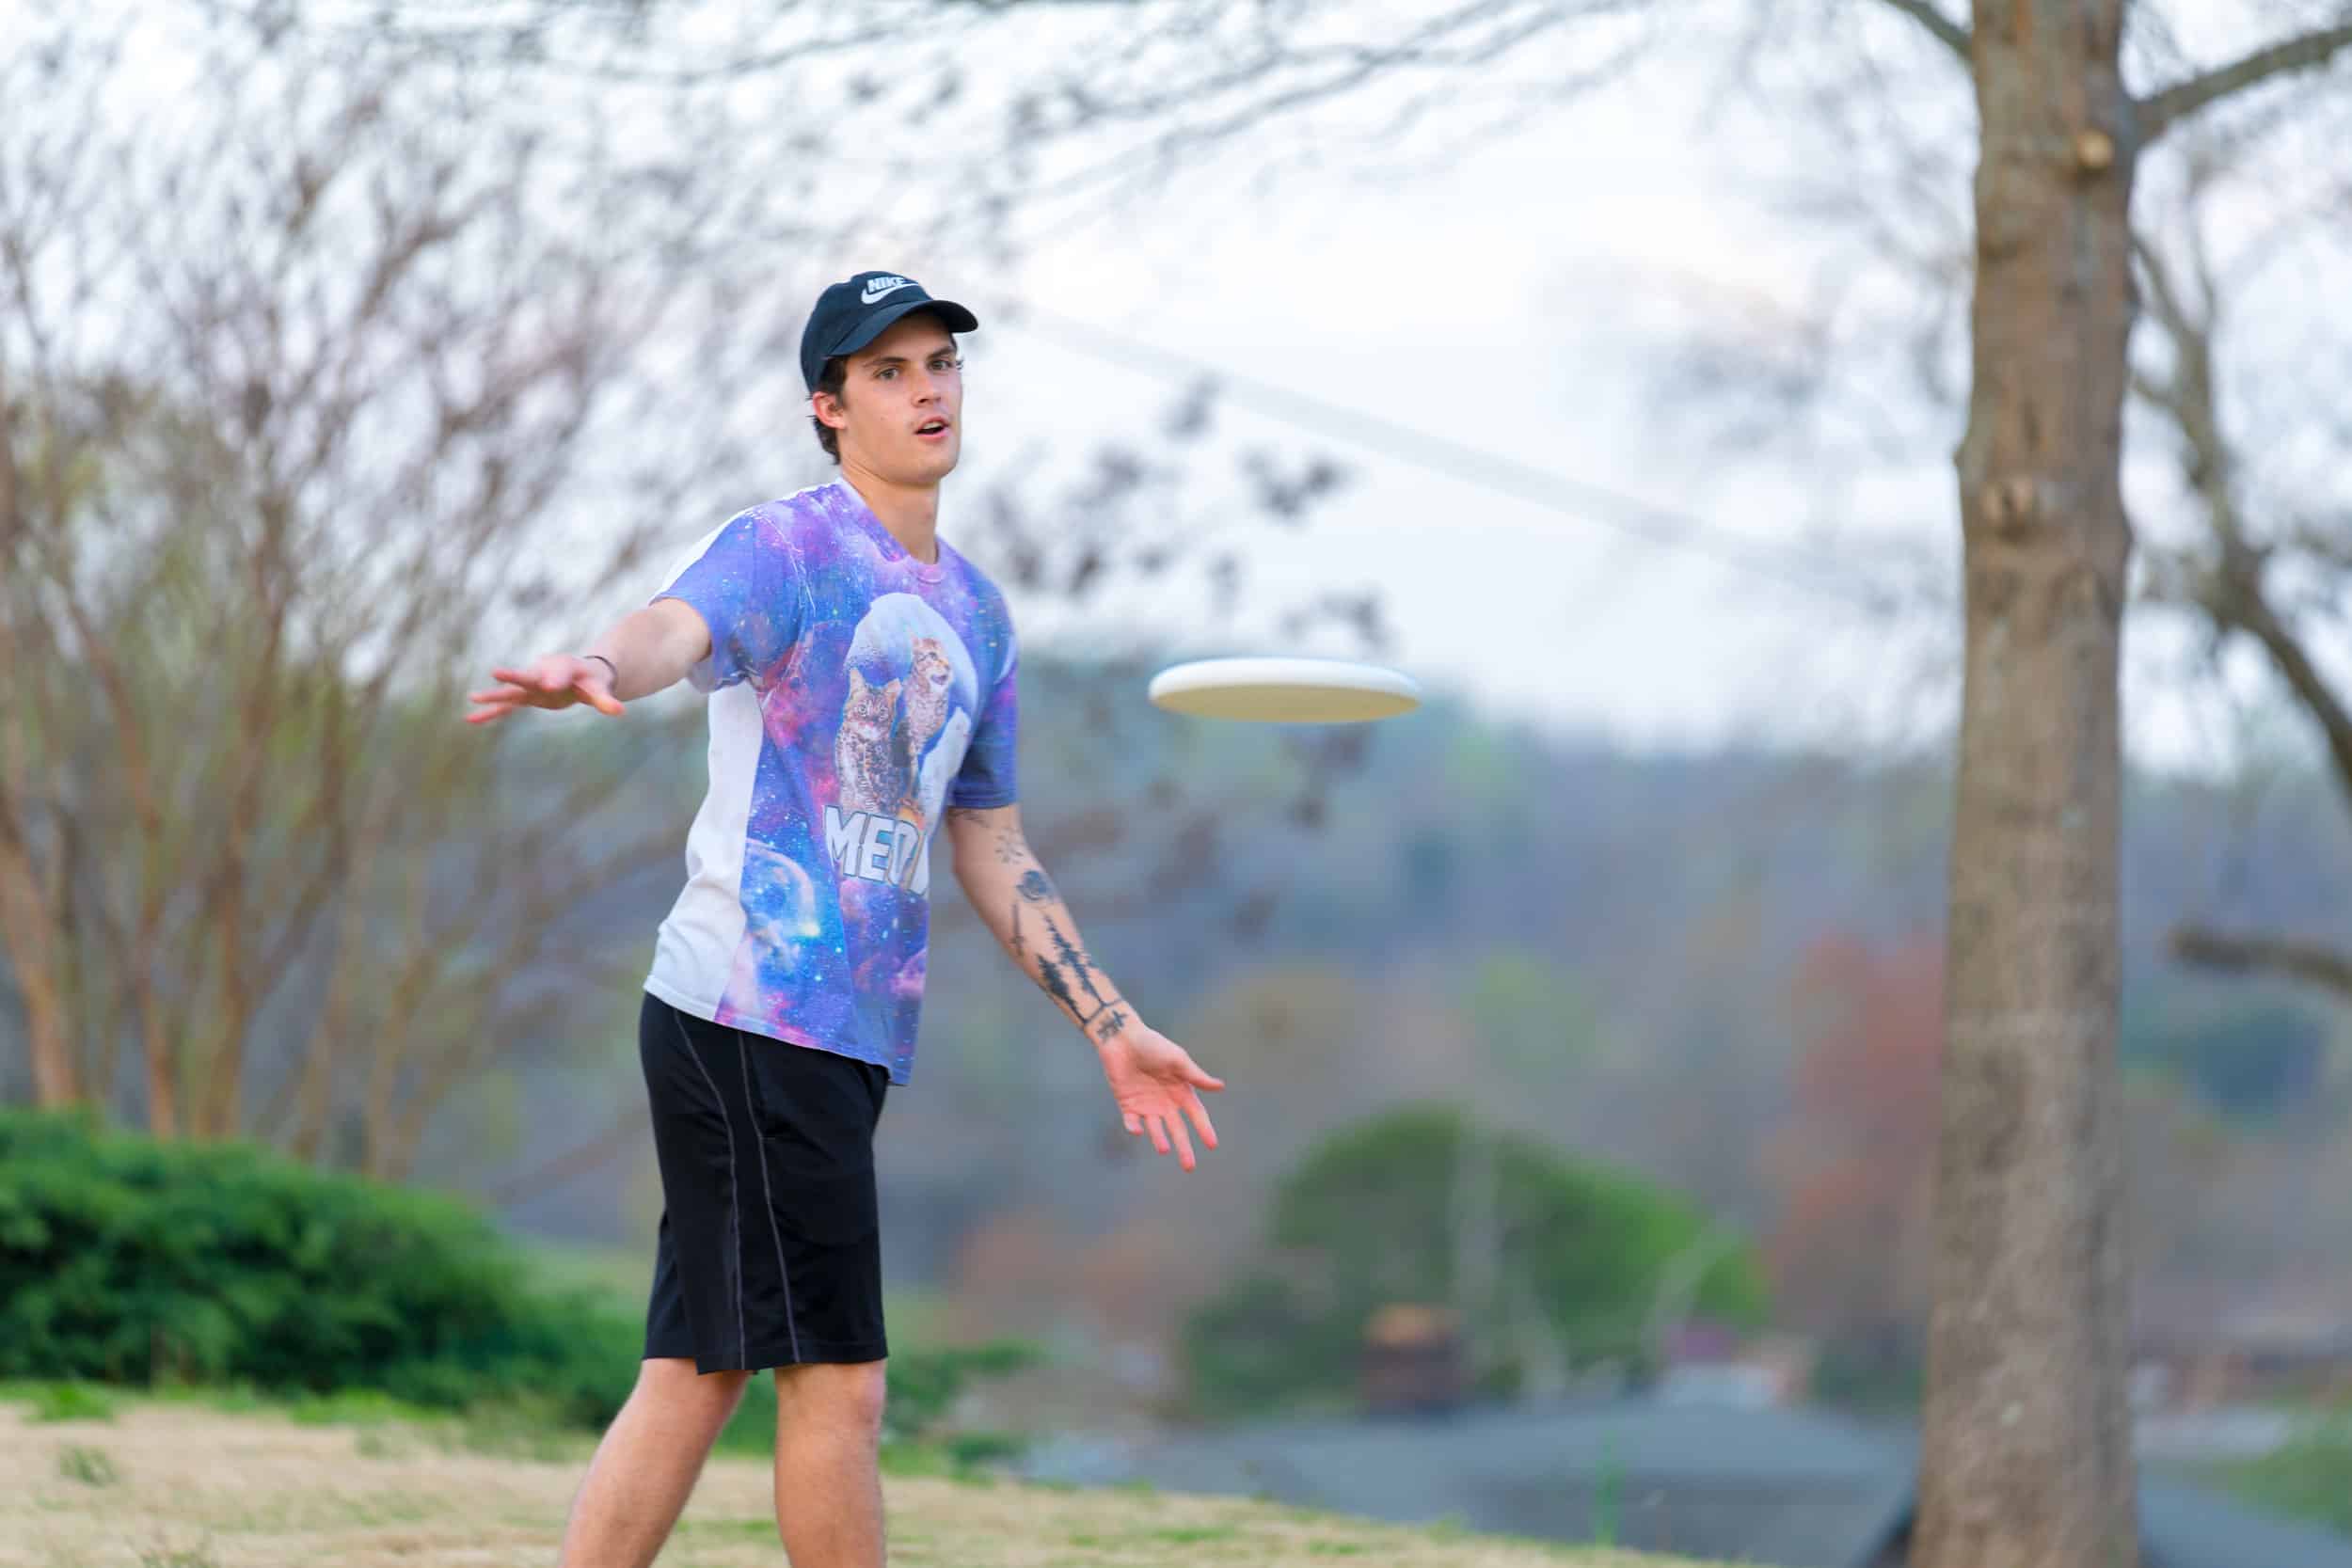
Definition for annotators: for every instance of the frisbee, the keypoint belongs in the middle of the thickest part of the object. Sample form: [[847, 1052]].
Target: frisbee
[[1284, 690]]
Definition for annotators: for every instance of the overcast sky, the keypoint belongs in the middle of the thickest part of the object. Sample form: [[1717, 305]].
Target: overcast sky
[[1525, 300], [1488, 307], [1525, 296]]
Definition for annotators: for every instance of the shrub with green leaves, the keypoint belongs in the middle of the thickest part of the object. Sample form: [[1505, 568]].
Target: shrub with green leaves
[[1373, 1214], [127, 1261]]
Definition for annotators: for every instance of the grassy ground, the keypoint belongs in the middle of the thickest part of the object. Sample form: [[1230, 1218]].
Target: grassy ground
[[183, 1485], [2310, 1478]]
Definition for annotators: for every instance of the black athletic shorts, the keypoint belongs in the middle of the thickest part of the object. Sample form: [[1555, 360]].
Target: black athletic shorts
[[770, 1253]]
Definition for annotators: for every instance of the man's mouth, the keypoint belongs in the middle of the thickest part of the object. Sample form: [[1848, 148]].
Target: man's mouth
[[931, 430]]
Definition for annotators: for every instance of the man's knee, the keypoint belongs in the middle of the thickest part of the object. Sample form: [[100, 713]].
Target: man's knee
[[844, 1394], [674, 1380]]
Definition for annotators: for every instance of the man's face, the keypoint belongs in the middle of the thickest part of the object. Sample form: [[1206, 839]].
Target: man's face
[[901, 412]]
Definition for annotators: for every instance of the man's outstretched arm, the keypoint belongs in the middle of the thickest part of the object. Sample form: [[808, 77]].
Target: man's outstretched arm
[[646, 651], [1154, 1081]]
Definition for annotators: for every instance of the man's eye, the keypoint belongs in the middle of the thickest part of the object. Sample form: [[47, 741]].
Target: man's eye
[[886, 373]]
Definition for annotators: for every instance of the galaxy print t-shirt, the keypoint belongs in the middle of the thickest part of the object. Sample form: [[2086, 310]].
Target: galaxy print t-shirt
[[855, 694]]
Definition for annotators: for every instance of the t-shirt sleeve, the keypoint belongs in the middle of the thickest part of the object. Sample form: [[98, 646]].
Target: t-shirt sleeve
[[986, 780], [742, 583]]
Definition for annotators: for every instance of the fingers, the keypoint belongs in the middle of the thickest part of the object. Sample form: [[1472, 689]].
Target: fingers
[[491, 706], [1168, 1133], [1140, 1122], [1202, 1078], [1183, 1143], [549, 684], [1200, 1114], [597, 695]]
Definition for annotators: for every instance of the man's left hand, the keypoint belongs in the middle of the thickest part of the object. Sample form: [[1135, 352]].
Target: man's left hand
[[1157, 1083]]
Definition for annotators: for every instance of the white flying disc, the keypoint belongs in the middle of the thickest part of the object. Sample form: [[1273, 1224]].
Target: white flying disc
[[1284, 690]]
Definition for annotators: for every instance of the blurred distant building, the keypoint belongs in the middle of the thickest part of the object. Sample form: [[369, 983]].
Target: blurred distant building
[[1413, 1360], [2205, 1346]]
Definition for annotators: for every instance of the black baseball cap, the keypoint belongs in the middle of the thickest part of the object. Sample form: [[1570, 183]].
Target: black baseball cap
[[852, 314]]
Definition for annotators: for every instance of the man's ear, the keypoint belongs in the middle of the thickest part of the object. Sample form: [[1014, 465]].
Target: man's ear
[[828, 410]]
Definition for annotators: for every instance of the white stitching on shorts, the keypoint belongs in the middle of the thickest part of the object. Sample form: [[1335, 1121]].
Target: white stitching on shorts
[[791, 1319], [735, 1183]]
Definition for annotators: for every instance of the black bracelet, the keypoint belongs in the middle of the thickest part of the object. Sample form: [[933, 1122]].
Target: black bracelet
[[607, 664]]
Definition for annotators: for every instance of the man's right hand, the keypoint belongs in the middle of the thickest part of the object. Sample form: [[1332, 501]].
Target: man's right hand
[[557, 680]]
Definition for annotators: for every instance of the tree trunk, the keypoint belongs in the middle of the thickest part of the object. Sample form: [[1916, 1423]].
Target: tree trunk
[[162, 1067], [2026, 1456], [29, 937]]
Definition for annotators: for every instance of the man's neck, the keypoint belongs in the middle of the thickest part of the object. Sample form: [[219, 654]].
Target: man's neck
[[910, 511]]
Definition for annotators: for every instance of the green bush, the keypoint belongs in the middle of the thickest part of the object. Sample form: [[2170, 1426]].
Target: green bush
[[130, 1261], [1370, 1217], [926, 1384], [1258, 1344]]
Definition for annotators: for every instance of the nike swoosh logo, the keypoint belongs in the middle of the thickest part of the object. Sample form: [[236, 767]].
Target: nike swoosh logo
[[869, 293]]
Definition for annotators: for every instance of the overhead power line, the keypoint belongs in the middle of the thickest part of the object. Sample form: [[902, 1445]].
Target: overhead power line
[[1587, 502]]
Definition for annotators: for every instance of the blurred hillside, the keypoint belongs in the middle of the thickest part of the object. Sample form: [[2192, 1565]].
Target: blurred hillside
[[1609, 950]]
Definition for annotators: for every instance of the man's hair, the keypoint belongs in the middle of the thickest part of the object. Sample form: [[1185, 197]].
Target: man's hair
[[835, 377]]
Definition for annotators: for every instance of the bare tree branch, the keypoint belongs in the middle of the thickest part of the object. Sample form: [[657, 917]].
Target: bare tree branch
[[2161, 111], [2260, 954], [2236, 600], [2231, 586], [1950, 34], [231, 674], [623, 1133]]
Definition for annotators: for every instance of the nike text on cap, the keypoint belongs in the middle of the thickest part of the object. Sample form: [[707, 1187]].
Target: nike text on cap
[[851, 315]]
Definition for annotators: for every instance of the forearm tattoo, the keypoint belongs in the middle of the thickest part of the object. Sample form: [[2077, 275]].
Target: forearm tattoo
[[1065, 970], [1011, 845]]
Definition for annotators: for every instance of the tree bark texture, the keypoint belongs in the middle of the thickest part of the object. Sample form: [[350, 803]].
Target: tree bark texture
[[28, 939], [2026, 1455]]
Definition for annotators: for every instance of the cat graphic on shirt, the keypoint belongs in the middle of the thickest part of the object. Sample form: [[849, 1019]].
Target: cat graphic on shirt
[[931, 688], [931, 693], [868, 758]]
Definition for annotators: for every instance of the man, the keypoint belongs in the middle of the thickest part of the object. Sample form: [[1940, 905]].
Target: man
[[861, 677]]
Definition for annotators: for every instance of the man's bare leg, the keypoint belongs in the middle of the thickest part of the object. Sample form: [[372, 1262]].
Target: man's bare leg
[[828, 1506], [647, 1466]]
